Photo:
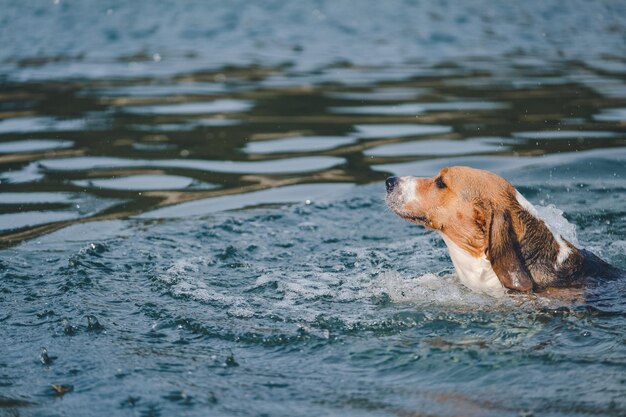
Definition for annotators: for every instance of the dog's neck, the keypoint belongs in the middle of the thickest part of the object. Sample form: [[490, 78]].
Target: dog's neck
[[474, 272], [551, 260]]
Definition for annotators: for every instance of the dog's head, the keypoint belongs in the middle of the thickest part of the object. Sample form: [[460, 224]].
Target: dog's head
[[457, 202], [481, 213]]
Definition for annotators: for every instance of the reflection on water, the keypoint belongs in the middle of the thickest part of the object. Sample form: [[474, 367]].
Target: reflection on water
[[295, 193], [299, 144], [408, 109], [228, 136], [159, 90], [439, 147], [612, 115], [278, 166], [33, 145], [375, 131], [40, 125], [139, 182], [380, 94], [23, 210], [192, 215], [217, 106], [567, 134]]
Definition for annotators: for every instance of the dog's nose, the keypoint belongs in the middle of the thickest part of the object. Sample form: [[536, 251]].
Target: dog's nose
[[391, 183]]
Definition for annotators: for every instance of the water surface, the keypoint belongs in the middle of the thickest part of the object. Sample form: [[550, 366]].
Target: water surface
[[192, 218]]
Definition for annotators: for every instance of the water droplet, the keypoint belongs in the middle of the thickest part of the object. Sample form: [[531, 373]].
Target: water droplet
[[45, 358], [230, 361], [308, 226], [62, 389], [93, 325], [68, 328]]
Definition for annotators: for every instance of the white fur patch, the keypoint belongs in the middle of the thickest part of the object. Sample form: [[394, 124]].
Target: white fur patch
[[564, 250], [407, 187], [526, 204], [475, 273]]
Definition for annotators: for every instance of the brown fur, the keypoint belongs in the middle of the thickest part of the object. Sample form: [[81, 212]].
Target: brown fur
[[479, 211]]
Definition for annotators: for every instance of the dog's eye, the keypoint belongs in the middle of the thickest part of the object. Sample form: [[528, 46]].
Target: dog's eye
[[439, 183]]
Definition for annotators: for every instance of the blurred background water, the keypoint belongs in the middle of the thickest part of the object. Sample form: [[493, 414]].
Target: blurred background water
[[191, 207]]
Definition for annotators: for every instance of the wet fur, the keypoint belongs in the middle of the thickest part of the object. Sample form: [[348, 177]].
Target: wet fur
[[484, 215]]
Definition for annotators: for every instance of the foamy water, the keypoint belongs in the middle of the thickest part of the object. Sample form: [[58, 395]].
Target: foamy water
[[558, 223], [367, 277]]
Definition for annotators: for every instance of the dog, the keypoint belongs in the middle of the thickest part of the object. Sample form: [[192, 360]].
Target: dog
[[495, 237]]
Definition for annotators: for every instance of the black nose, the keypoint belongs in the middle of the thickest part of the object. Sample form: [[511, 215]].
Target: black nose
[[391, 183]]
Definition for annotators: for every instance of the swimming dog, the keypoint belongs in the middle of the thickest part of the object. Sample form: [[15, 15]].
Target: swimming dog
[[495, 237]]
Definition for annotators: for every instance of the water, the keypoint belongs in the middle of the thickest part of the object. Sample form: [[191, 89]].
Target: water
[[192, 216]]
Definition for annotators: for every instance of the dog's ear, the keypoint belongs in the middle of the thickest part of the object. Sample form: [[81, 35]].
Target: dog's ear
[[504, 253]]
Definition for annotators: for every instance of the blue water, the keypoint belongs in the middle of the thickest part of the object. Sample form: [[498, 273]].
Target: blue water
[[95, 39], [192, 215]]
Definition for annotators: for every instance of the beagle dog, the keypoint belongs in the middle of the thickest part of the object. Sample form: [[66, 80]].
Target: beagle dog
[[494, 235]]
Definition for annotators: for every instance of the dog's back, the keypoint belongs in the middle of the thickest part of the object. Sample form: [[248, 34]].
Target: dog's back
[[597, 269]]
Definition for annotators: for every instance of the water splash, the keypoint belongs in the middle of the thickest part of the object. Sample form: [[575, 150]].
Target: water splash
[[429, 290], [557, 223]]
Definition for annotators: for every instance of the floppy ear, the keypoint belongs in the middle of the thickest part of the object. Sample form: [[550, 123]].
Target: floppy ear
[[504, 253]]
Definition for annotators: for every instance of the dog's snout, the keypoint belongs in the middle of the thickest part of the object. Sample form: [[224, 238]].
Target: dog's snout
[[391, 183]]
